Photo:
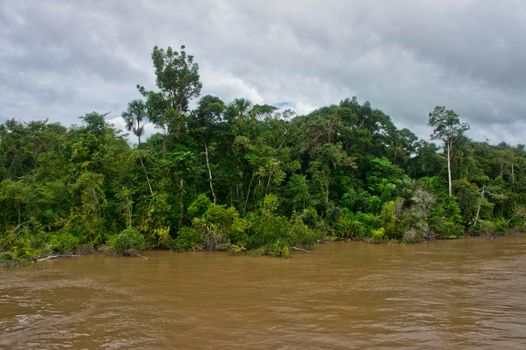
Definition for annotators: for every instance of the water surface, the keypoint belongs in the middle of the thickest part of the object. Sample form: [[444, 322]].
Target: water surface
[[463, 294]]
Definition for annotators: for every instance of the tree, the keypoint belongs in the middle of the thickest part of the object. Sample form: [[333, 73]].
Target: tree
[[177, 77], [447, 128], [134, 118], [206, 117]]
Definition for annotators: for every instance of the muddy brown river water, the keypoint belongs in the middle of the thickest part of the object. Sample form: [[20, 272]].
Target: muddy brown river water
[[463, 294]]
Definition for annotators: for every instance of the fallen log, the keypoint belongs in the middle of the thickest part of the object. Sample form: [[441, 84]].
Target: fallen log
[[301, 250], [56, 257]]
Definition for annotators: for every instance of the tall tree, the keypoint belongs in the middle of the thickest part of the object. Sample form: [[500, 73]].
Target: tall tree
[[447, 128], [177, 77], [206, 117], [134, 118]]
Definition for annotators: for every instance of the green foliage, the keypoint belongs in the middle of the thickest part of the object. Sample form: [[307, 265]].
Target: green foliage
[[240, 176], [415, 218], [270, 204], [299, 234], [298, 190], [484, 228], [188, 238], [218, 227], [502, 226], [199, 206], [134, 118], [378, 235], [446, 124], [177, 77], [390, 220], [266, 229], [64, 243], [160, 237], [128, 243], [356, 226]]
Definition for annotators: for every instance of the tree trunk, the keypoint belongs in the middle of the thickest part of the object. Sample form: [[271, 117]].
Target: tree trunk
[[138, 131], [327, 192], [147, 178], [130, 213], [479, 205], [181, 201], [248, 192], [268, 183], [449, 168], [209, 174]]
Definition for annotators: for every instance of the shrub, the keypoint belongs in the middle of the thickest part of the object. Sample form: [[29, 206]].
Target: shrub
[[219, 226], [279, 248], [187, 239], [502, 226], [484, 228], [128, 243], [64, 243], [413, 236], [445, 218], [160, 237], [300, 234], [377, 235], [265, 230], [445, 228], [344, 227], [415, 226], [390, 213], [309, 216], [199, 206]]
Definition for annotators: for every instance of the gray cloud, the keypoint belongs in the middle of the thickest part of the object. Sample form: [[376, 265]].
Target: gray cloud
[[61, 59]]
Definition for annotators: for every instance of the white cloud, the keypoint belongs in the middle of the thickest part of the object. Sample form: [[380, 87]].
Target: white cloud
[[61, 59], [228, 87]]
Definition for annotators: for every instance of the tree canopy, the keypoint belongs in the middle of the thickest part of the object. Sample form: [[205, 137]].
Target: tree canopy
[[246, 177]]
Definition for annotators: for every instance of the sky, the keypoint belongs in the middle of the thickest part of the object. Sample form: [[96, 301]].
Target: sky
[[62, 59]]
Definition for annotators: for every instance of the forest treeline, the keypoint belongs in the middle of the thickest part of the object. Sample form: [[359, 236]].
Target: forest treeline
[[246, 177]]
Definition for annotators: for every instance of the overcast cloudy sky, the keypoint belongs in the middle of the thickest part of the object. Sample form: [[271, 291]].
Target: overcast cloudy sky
[[61, 59]]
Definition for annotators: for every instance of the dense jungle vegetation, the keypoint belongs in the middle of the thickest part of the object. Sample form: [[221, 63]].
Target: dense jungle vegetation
[[246, 177]]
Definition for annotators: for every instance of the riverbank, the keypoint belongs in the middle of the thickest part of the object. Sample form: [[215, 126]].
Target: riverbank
[[8, 262]]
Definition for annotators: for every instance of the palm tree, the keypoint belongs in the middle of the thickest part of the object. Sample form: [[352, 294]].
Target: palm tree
[[134, 118]]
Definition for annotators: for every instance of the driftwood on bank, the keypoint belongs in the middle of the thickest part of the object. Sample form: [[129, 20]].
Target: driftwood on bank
[[301, 250], [56, 257]]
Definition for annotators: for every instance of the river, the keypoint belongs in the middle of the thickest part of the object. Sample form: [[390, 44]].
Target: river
[[461, 294]]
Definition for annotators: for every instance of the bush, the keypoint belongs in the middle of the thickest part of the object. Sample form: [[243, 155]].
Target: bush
[[199, 206], [64, 243], [414, 221], [445, 218], [415, 226], [502, 226], [265, 230], [279, 248], [187, 239], [160, 237], [344, 227], [444, 228], [483, 228], [220, 226], [309, 216], [377, 235], [300, 234], [390, 213], [129, 242]]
